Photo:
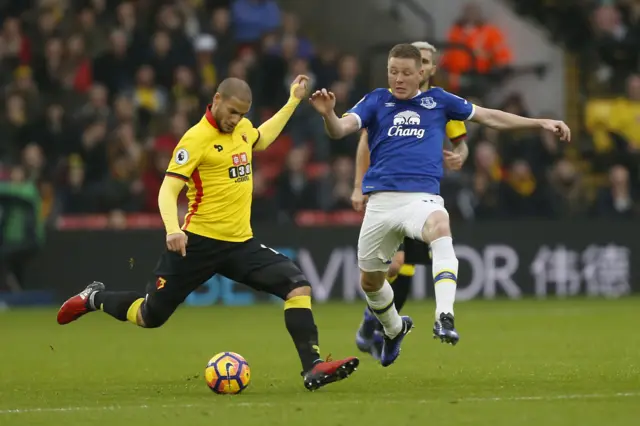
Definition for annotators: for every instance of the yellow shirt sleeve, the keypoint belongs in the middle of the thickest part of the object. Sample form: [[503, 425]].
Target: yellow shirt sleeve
[[186, 156], [456, 130], [167, 204], [271, 129]]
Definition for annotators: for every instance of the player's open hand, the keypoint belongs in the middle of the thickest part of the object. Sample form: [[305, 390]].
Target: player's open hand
[[323, 101], [452, 160], [557, 127], [177, 242], [299, 87], [359, 200]]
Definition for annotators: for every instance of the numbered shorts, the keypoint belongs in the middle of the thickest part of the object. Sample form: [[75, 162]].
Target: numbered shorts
[[249, 263], [389, 218]]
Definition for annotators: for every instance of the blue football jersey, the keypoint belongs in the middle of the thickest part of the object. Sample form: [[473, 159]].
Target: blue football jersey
[[406, 138]]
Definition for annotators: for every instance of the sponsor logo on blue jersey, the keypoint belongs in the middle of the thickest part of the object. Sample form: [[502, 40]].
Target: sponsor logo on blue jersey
[[406, 138]]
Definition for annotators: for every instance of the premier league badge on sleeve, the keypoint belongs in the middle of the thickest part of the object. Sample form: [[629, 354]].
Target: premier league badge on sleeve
[[428, 103], [182, 156]]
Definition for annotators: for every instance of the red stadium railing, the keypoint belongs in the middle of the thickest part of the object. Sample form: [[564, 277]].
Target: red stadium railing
[[306, 218]]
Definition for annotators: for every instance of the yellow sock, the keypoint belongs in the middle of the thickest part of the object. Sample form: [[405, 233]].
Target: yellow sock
[[132, 312], [390, 280], [407, 270], [302, 302]]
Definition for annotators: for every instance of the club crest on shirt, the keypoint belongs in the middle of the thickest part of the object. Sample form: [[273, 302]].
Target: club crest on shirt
[[428, 103]]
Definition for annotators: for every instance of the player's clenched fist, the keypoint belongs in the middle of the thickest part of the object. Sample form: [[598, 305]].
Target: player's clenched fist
[[559, 128], [359, 200], [299, 87], [177, 242], [323, 101]]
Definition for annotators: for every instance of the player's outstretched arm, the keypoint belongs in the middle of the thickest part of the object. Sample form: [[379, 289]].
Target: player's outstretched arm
[[337, 128], [358, 199], [271, 129], [501, 120], [168, 204]]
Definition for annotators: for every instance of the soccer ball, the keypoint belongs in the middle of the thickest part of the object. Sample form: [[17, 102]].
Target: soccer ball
[[227, 373]]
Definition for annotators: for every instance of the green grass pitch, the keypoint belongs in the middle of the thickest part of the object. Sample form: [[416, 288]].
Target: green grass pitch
[[572, 362]]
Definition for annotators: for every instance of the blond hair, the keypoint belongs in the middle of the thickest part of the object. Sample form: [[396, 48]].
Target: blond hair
[[423, 45]]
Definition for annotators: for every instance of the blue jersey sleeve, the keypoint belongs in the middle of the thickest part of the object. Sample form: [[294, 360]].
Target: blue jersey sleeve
[[456, 107], [365, 110]]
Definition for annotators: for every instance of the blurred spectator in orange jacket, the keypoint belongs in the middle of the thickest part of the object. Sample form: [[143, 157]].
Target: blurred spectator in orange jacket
[[485, 40]]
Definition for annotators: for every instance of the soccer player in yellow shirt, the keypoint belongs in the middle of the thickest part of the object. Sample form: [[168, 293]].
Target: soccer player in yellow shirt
[[400, 274], [214, 159]]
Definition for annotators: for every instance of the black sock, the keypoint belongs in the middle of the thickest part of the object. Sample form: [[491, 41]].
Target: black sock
[[401, 288], [303, 331], [116, 303]]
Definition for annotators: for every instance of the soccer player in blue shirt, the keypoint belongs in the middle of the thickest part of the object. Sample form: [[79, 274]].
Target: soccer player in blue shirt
[[406, 129], [400, 275]]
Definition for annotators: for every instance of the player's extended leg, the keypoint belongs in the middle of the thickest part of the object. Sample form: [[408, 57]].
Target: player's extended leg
[[445, 274], [377, 244], [117, 303], [162, 299], [369, 337], [379, 295], [177, 276], [285, 280]]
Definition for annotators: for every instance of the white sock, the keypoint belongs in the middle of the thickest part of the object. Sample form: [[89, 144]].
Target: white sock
[[445, 274], [381, 303]]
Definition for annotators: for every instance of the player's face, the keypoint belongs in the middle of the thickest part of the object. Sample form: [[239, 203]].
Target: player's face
[[428, 66], [229, 112], [404, 77]]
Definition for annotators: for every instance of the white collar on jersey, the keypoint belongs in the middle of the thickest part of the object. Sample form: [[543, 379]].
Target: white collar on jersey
[[417, 94]]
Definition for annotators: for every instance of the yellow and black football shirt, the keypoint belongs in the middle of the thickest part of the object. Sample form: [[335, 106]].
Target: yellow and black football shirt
[[217, 169]]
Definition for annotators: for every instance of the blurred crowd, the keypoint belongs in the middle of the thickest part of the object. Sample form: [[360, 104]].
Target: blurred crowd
[[96, 94]]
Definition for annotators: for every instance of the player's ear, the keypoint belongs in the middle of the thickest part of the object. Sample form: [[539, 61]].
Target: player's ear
[[217, 98]]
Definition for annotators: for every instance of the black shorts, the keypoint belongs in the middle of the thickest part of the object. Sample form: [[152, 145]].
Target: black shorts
[[178, 276], [416, 252]]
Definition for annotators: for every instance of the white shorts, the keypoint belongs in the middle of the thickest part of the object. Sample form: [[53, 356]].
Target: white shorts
[[389, 218]]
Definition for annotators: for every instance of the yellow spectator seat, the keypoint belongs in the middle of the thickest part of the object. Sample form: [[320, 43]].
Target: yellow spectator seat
[[597, 119]]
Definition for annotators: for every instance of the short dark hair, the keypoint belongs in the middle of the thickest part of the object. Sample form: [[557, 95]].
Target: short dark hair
[[406, 51], [234, 87]]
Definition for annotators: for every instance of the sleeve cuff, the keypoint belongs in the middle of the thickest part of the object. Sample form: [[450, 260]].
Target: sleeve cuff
[[472, 113], [357, 118], [459, 138], [177, 176]]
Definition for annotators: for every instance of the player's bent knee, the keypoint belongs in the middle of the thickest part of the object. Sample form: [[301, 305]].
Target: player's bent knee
[[304, 290], [436, 226], [372, 281], [282, 279]]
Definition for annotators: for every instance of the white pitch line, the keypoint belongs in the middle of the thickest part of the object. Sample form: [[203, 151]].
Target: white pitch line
[[312, 402]]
